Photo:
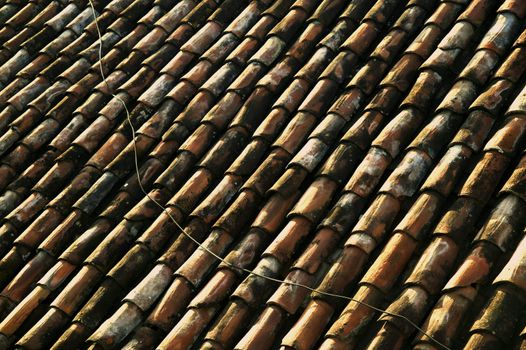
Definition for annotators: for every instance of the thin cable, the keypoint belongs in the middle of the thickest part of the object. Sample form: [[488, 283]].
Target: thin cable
[[219, 258]]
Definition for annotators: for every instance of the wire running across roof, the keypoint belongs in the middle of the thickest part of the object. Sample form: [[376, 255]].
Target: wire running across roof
[[373, 150]]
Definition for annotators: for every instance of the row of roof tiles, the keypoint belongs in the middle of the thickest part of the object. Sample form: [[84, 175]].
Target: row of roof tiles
[[340, 146]]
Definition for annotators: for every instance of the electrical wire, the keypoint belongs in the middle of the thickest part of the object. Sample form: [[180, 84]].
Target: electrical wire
[[216, 256]]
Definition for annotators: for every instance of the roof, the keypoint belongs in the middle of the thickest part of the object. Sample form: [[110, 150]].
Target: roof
[[370, 150]]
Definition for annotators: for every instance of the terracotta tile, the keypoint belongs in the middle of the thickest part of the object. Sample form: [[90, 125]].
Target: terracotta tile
[[27, 210], [114, 245], [134, 260], [7, 115], [175, 14], [411, 303], [177, 133], [199, 73], [342, 273], [188, 329], [269, 170], [243, 255], [368, 173], [200, 263], [12, 261], [221, 155], [394, 136], [502, 33], [481, 187], [338, 69], [307, 40], [285, 244], [80, 248], [74, 336], [42, 333], [507, 138], [344, 213], [333, 344], [246, 19], [443, 320], [244, 83], [221, 48], [492, 99], [360, 40], [253, 110], [234, 101], [407, 176], [290, 181], [224, 111], [240, 54], [272, 214], [515, 183], [254, 289], [383, 274], [143, 338], [249, 159], [198, 142], [290, 24], [227, 328], [317, 64], [211, 207], [8, 233], [35, 233], [422, 93], [447, 173], [269, 51], [459, 97], [349, 102], [170, 179], [473, 271], [369, 75], [157, 234], [341, 163], [513, 272], [311, 154], [514, 7], [308, 329], [239, 213], [201, 40], [474, 130], [480, 66], [504, 222], [346, 331], [186, 199], [434, 265], [509, 70], [259, 336], [77, 290], [501, 302], [326, 11], [23, 281], [483, 341], [12, 322], [291, 97], [378, 217], [182, 247], [363, 130], [100, 305], [115, 328], [221, 79], [291, 297], [295, 132], [216, 290], [168, 310]]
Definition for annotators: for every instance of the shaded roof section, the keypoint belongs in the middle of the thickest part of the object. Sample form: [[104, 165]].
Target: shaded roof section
[[373, 150]]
